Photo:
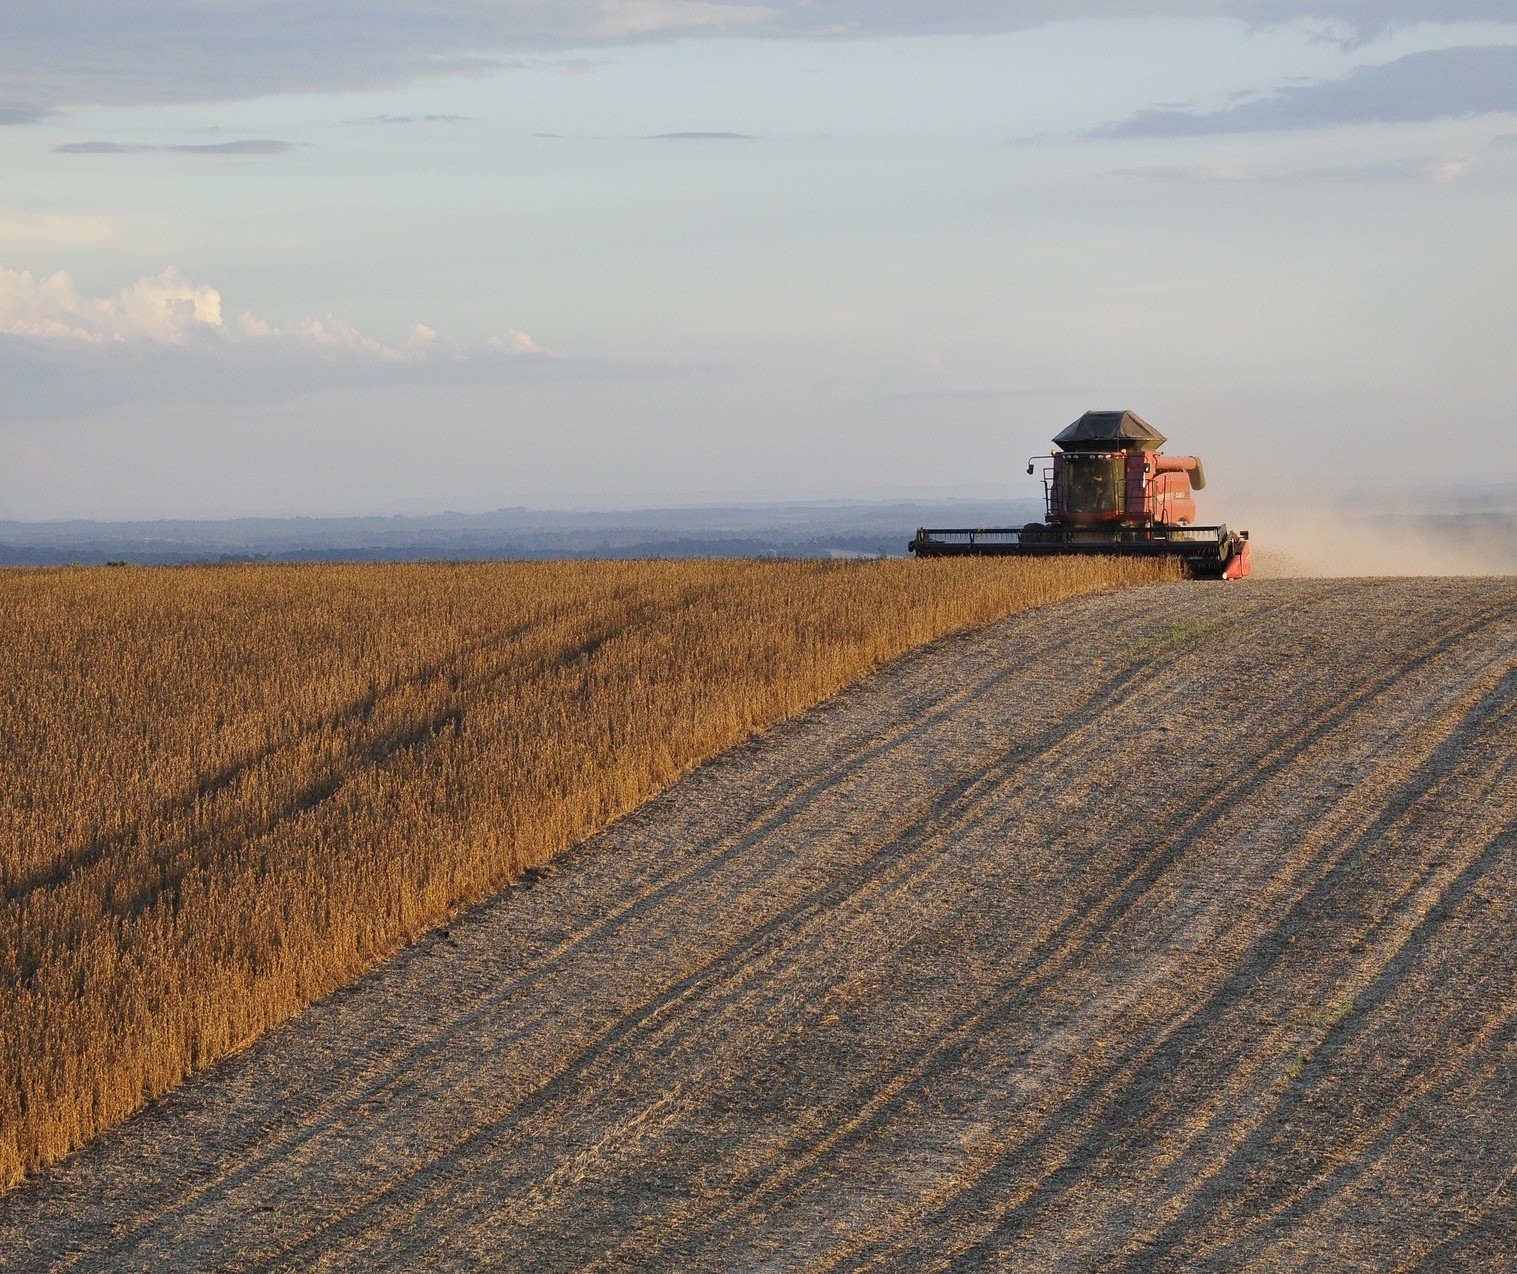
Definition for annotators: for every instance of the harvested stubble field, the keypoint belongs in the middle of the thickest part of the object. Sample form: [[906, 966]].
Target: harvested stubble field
[[1167, 929], [226, 792]]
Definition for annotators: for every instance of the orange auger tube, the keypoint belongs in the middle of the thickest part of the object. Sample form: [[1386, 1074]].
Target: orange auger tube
[[1183, 464]]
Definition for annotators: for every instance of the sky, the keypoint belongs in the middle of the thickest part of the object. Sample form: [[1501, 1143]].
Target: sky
[[412, 255]]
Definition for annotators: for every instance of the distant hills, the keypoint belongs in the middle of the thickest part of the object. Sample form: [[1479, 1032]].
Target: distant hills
[[800, 529], [1352, 538]]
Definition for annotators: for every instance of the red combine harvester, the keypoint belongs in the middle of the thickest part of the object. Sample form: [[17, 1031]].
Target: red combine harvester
[[1109, 489]]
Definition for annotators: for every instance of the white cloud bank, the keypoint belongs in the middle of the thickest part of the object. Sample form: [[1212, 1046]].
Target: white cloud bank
[[167, 309]]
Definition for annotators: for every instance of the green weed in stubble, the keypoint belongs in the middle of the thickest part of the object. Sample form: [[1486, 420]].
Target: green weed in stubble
[[1318, 1026]]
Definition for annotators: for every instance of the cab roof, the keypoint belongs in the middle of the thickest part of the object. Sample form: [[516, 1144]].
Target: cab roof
[[1110, 431]]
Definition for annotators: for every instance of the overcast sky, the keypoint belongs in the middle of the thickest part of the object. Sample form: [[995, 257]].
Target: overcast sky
[[425, 254]]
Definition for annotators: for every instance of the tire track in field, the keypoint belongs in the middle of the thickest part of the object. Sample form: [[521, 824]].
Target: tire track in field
[[1025, 953]]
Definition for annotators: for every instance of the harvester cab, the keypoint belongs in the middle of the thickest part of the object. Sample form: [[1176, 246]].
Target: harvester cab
[[1109, 489]]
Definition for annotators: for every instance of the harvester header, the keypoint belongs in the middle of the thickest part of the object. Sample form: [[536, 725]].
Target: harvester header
[[1109, 489]]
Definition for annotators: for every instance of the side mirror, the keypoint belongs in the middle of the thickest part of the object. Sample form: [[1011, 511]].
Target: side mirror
[[1029, 471]]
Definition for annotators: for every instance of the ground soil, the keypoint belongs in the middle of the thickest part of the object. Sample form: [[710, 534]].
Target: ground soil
[[1170, 929]]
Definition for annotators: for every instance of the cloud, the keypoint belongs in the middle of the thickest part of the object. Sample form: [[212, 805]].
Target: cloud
[[21, 113], [416, 119], [1411, 168], [1504, 140], [166, 309], [646, 137], [118, 52], [329, 335], [514, 342], [614, 19], [334, 336], [251, 146], [1437, 84], [115, 52]]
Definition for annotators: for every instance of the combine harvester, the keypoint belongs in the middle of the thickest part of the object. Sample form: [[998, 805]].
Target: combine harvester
[[1109, 489]]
